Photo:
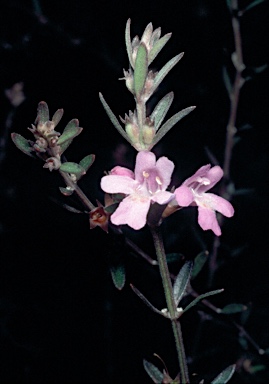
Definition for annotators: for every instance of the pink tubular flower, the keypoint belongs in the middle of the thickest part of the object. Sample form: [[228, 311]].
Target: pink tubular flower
[[145, 185], [193, 192]]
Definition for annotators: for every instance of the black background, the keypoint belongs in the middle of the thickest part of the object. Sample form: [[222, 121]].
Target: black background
[[61, 319]]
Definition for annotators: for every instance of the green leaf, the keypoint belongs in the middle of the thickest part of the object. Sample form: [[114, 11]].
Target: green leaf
[[118, 275], [233, 308], [57, 116], [165, 70], [225, 375], [173, 257], [261, 68], [201, 297], [70, 167], [154, 373], [22, 144], [42, 112], [86, 162], [161, 110], [111, 208], [128, 42], [182, 281], [65, 145], [71, 130], [158, 46], [227, 80], [113, 119], [145, 300], [140, 70], [118, 197], [170, 123], [253, 4], [199, 262], [257, 368]]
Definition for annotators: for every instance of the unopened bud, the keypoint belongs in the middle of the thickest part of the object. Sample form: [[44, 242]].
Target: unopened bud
[[148, 134], [129, 80], [133, 132], [52, 163]]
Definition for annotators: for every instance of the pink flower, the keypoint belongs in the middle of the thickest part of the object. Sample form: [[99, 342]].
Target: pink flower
[[147, 184], [193, 192]]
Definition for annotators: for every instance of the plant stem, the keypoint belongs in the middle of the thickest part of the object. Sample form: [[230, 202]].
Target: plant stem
[[171, 306], [231, 129], [69, 182]]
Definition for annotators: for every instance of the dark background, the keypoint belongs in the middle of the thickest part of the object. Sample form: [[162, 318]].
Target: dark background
[[61, 319]]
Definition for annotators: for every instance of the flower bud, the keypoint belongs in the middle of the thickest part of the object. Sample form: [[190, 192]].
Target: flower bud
[[129, 80], [99, 217], [148, 134], [52, 163], [132, 131]]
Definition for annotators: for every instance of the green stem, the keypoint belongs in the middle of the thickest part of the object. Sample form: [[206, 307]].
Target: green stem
[[78, 191], [171, 306]]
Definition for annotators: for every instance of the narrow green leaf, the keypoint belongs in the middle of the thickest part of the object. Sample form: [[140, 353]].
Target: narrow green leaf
[[145, 300], [118, 197], [227, 80], [225, 375], [128, 42], [42, 112], [140, 70], [22, 144], [182, 281], [253, 4], [261, 68], [70, 132], [86, 162], [165, 70], [201, 297], [118, 275], [71, 209], [70, 167], [113, 119], [233, 308], [257, 368], [170, 123], [57, 116], [161, 110], [111, 208], [65, 145], [158, 46], [154, 373], [199, 262]]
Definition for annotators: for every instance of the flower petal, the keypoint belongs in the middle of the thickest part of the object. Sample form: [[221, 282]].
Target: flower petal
[[184, 196], [118, 184], [207, 220], [144, 160], [217, 203], [213, 175], [200, 173], [132, 211], [162, 197], [165, 168], [122, 171]]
